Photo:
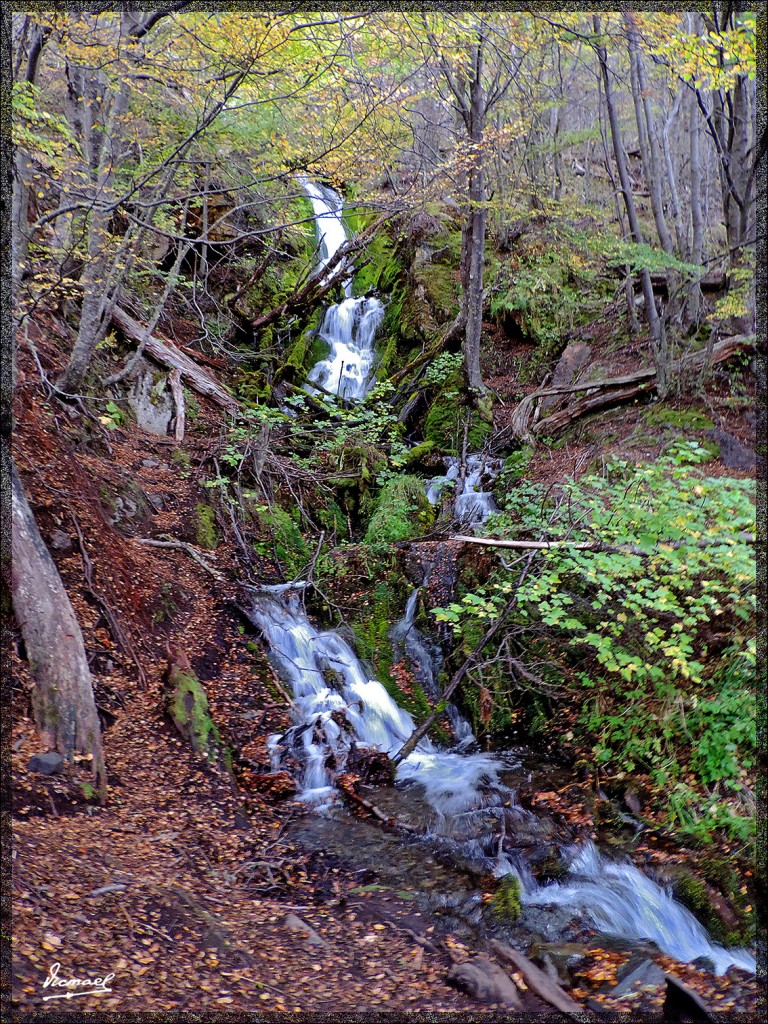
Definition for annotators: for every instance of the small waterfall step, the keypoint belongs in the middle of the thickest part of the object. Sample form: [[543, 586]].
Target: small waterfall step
[[471, 504], [337, 705]]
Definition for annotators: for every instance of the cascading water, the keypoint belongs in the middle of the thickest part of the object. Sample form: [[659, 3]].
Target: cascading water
[[349, 327], [337, 706], [426, 659], [471, 504], [622, 901]]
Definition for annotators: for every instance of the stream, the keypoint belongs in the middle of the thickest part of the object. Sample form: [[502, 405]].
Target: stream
[[461, 803]]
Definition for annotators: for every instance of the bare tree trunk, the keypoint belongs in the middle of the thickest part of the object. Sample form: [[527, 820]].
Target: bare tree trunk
[[677, 216], [658, 337], [646, 126], [62, 696], [476, 228], [696, 253]]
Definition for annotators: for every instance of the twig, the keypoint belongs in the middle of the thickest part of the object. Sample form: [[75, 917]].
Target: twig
[[182, 546]]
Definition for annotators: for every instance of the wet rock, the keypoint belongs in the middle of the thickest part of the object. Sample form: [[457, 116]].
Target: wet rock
[[733, 454], [563, 956], [60, 541], [485, 981], [683, 1004], [50, 763], [306, 932], [645, 973]]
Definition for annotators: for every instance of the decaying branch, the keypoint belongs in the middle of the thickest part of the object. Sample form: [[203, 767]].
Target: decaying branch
[[174, 379], [590, 545], [167, 354], [180, 545]]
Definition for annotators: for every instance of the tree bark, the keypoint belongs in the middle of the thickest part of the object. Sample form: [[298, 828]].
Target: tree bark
[[475, 235], [62, 695], [696, 253]]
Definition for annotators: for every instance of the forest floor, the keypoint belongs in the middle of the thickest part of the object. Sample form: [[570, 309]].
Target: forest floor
[[180, 885]]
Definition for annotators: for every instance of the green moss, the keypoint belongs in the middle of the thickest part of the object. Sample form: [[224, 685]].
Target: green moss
[[442, 288], [506, 901], [516, 466], [444, 426], [419, 452], [286, 539], [659, 414], [206, 534], [187, 704], [402, 511]]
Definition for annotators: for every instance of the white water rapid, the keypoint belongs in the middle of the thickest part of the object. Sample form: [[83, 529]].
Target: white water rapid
[[471, 504], [426, 659], [349, 327], [338, 705], [622, 901]]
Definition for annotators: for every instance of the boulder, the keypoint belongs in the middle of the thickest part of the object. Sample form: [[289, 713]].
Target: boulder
[[733, 454], [485, 981], [60, 541], [295, 924], [50, 763]]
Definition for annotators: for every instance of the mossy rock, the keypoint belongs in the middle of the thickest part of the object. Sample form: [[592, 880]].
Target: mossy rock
[[401, 511], [206, 534], [419, 453], [728, 923], [187, 704], [506, 901], [444, 422]]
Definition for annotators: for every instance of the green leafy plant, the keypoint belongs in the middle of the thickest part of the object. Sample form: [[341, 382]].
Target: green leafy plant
[[648, 609]]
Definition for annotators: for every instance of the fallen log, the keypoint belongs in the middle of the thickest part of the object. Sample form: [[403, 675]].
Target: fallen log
[[592, 545], [168, 355], [612, 390]]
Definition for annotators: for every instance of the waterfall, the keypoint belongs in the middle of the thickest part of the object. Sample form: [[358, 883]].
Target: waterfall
[[338, 704], [622, 901], [349, 327], [471, 504]]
